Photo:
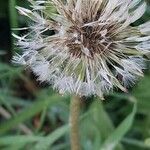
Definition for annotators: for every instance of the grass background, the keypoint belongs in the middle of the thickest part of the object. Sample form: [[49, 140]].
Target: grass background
[[34, 117]]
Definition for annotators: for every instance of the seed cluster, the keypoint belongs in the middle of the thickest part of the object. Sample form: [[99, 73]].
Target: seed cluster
[[90, 40]]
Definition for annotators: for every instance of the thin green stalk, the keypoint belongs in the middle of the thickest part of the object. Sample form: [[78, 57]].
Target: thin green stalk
[[74, 123], [13, 19]]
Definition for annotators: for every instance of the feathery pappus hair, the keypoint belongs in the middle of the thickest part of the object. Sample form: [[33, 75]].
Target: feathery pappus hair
[[93, 48]]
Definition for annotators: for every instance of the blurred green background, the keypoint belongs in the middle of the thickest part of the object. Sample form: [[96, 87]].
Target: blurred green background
[[34, 117]]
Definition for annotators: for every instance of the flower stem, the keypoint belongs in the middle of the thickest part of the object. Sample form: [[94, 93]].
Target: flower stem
[[74, 122]]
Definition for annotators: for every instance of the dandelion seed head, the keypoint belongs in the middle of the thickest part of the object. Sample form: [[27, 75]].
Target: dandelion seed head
[[86, 47]]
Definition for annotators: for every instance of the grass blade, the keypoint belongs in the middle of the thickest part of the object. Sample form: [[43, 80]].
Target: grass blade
[[45, 143], [29, 112], [120, 131]]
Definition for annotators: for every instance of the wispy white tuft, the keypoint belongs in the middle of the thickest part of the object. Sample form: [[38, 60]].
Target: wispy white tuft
[[85, 47]]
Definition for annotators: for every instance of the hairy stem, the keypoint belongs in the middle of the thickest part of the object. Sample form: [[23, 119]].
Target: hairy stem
[[74, 122]]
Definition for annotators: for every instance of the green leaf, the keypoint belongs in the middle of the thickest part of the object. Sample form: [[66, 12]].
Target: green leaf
[[19, 139], [99, 127], [29, 112], [45, 143], [101, 119], [120, 131], [8, 71], [142, 94], [136, 143]]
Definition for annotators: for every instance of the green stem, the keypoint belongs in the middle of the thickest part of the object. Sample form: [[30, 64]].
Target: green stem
[[13, 18], [74, 122]]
